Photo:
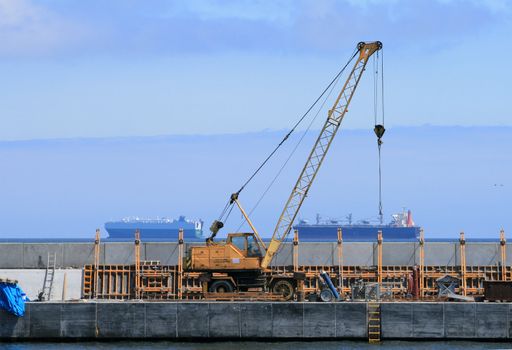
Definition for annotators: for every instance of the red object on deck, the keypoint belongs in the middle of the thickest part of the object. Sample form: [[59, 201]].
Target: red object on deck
[[410, 223]]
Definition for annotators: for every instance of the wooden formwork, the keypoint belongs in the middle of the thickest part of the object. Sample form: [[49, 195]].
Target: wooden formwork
[[160, 282], [153, 281]]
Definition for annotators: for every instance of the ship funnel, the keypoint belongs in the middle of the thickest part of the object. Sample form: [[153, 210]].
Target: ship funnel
[[410, 223]]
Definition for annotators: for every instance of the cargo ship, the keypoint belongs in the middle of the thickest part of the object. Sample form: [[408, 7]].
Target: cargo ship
[[155, 229], [401, 228]]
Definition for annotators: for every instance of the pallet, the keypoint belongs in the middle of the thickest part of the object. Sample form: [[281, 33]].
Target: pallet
[[8, 281]]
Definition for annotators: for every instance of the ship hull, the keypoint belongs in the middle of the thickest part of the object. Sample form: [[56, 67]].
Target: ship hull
[[355, 233], [120, 230]]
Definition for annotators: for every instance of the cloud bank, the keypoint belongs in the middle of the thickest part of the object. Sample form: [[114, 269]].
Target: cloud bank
[[48, 27]]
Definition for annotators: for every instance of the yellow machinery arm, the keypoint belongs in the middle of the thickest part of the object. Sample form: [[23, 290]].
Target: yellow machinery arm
[[317, 155]]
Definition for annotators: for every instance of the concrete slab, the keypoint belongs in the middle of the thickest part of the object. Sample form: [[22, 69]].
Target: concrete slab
[[119, 320], [78, 254], [11, 255], [397, 254], [428, 320], [78, 320], [189, 324], [481, 254], [509, 253], [224, 320], [31, 281], [439, 254], [45, 320], [166, 253], [492, 320], [357, 254], [35, 255], [13, 327], [121, 253], [287, 320], [319, 254], [254, 320], [319, 320], [351, 320], [459, 320], [284, 256], [396, 320], [161, 319]]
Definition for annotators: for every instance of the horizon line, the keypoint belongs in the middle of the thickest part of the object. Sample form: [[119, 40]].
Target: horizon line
[[241, 133]]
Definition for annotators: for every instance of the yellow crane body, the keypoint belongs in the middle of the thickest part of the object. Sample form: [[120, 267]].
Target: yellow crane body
[[243, 258]]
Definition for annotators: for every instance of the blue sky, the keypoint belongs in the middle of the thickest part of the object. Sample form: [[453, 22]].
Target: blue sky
[[228, 77], [452, 178], [123, 68]]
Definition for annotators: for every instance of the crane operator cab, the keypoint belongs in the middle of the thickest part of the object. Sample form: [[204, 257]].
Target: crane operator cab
[[245, 243], [240, 251]]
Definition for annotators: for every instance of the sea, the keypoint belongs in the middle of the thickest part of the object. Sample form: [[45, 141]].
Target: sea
[[292, 345]]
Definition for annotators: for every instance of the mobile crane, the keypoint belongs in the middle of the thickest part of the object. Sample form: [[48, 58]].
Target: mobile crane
[[241, 262]]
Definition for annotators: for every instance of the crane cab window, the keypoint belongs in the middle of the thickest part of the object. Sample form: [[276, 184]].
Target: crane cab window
[[253, 248], [239, 242]]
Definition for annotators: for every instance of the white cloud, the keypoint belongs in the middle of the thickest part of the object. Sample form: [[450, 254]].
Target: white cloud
[[27, 29], [251, 10]]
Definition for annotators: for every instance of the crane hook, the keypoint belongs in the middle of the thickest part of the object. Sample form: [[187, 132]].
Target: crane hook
[[379, 131]]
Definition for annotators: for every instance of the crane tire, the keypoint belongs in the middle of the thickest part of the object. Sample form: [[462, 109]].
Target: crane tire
[[284, 288], [221, 286]]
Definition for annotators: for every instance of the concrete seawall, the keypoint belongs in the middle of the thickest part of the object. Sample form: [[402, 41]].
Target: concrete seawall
[[76, 255], [253, 320]]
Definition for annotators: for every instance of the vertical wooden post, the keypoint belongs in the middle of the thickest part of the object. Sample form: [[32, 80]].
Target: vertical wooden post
[[422, 263], [503, 248], [340, 260], [137, 264], [379, 257], [180, 263], [296, 250], [462, 242], [64, 286], [96, 263], [296, 267]]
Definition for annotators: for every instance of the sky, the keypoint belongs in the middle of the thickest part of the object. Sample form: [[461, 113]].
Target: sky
[[160, 108], [452, 178], [141, 68]]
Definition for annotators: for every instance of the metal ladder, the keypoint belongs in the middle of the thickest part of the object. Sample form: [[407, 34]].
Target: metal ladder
[[48, 277], [373, 322]]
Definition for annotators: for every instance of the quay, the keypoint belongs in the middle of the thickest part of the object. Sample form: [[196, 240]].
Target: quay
[[255, 320], [113, 309]]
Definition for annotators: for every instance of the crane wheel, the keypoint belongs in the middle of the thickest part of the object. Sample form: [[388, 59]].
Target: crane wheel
[[221, 287], [284, 288]]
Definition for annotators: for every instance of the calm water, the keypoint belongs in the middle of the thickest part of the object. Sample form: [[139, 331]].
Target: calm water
[[257, 345]]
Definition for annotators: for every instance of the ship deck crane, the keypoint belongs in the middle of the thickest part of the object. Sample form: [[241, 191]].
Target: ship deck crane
[[239, 262]]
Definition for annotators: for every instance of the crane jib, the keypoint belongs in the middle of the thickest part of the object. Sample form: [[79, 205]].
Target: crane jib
[[317, 155]]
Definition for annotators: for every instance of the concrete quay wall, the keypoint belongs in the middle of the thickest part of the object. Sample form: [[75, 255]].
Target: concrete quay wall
[[76, 255], [253, 320]]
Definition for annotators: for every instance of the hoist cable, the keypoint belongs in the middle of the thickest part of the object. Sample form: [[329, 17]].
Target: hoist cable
[[379, 141], [297, 123], [382, 83], [291, 153], [380, 186], [221, 216], [224, 210], [375, 84]]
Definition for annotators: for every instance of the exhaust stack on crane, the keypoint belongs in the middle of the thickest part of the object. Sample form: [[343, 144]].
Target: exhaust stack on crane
[[241, 261]]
